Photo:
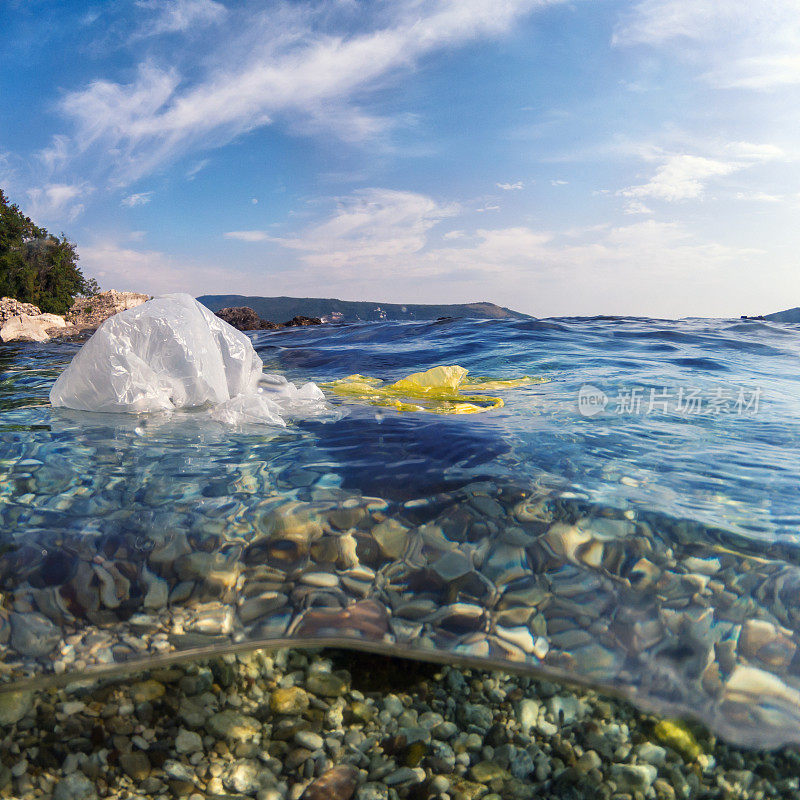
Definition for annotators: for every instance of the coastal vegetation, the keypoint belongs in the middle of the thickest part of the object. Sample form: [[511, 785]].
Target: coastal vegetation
[[36, 266]]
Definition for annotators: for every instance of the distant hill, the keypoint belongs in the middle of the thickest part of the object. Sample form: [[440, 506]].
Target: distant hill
[[280, 309], [790, 315]]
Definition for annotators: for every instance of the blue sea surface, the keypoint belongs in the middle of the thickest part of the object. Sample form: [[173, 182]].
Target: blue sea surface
[[631, 522]]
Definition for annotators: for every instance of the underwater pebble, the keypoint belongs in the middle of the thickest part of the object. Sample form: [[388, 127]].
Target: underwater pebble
[[372, 791], [135, 764], [291, 700], [32, 634], [636, 777], [337, 783], [233, 726], [524, 574], [75, 787], [14, 706], [325, 684], [188, 741], [242, 776], [310, 740], [406, 776], [213, 743], [651, 753], [527, 713]]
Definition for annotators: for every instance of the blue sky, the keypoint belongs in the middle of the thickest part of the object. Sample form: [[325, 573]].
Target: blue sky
[[559, 157]]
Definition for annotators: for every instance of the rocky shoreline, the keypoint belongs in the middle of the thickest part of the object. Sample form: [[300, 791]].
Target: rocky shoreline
[[244, 318], [335, 725], [25, 322]]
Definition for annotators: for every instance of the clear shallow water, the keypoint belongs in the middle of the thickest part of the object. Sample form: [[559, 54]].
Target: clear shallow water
[[649, 549]]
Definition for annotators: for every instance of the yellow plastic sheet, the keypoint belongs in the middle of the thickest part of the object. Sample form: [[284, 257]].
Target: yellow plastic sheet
[[438, 390]]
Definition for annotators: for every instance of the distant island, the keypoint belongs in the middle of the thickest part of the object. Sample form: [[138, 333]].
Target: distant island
[[334, 310], [790, 315]]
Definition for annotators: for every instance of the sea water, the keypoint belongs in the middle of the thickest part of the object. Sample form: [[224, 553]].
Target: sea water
[[630, 523]]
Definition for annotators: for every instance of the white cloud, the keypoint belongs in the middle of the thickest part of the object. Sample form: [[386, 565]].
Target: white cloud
[[150, 271], [760, 197], [681, 177], [113, 113], [684, 176], [558, 183], [750, 151], [392, 253], [137, 199], [637, 207], [191, 173], [248, 236], [510, 187], [370, 227], [57, 202], [176, 16], [57, 154], [496, 251], [760, 73], [386, 245], [738, 43], [281, 64]]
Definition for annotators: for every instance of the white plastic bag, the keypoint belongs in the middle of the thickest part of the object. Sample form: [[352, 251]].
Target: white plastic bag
[[172, 353], [275, 399]]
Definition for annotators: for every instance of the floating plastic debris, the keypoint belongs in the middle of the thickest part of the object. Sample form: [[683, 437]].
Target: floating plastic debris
[[438, 391], [172, 353]]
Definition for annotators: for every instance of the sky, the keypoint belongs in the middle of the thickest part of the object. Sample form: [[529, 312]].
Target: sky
[[560, 157]]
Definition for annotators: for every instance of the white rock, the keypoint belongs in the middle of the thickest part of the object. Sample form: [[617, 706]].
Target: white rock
[[178, 771], [9, 307], [636, 777], [572, 707], [527, 713], [29, 328], [94, 310], [651, 753], [242, 776], [546, 728]]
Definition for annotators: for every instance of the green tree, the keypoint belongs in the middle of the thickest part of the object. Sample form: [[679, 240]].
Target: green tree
[[37, 267]]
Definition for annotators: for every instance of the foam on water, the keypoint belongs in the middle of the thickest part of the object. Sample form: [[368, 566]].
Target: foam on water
[[650, 551]]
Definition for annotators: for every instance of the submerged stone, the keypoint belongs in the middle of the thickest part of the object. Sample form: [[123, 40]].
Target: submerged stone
[[14, 706], [33, 634], [337, 783], [289, 701]]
